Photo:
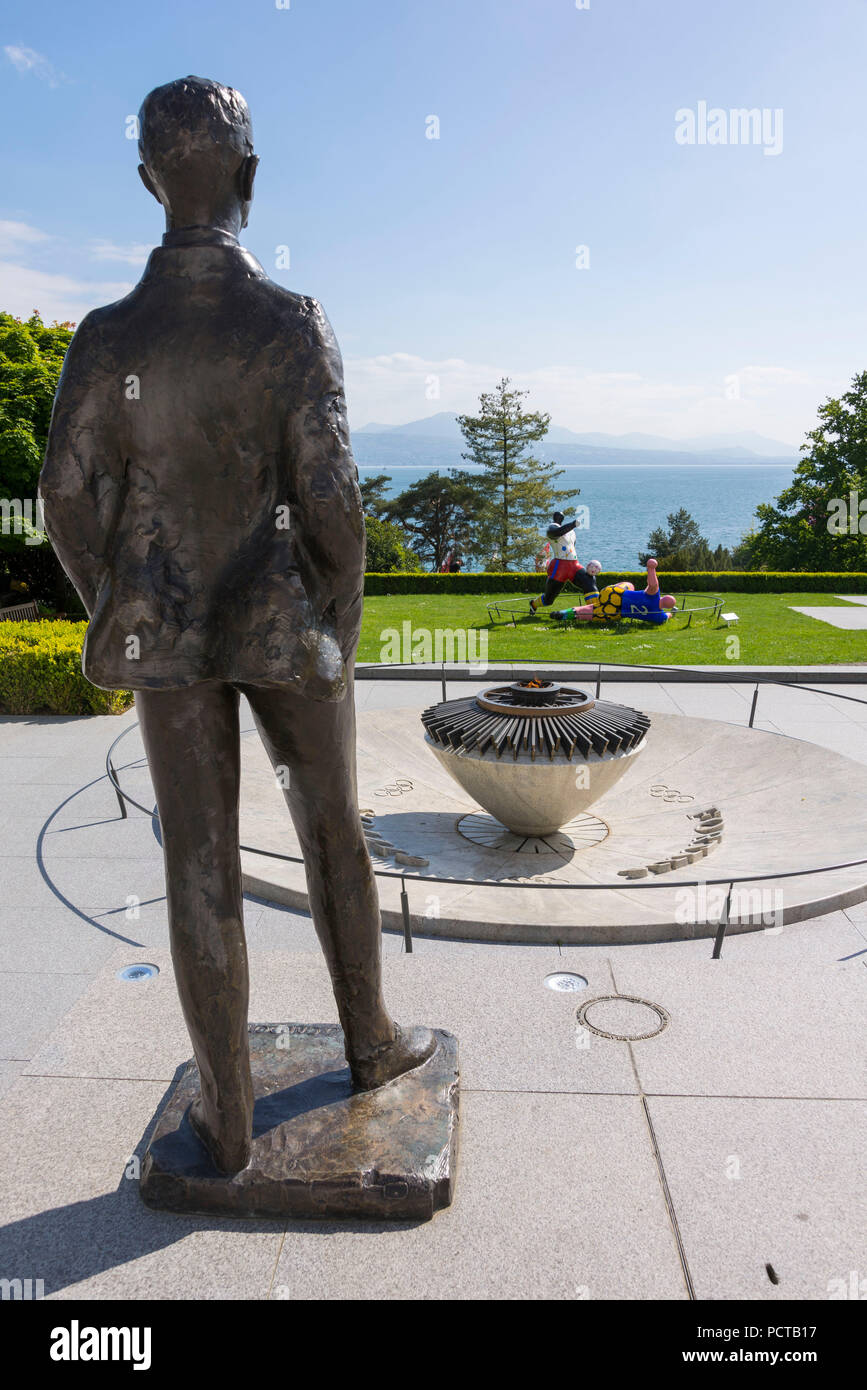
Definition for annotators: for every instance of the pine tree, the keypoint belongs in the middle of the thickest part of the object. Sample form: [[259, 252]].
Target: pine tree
[[682, 535], [682, 547], [515, 491]]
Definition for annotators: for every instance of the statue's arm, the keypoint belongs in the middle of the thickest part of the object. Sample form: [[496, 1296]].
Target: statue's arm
[[554, 532], [329, 517], [76, 476]]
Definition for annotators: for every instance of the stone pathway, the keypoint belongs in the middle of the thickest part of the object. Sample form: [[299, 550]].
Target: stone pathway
[[853, 619], [589, 1167]]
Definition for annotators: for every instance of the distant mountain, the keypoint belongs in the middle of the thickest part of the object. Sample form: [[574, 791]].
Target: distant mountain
[[375, 428], [744, 447], [443, 425]]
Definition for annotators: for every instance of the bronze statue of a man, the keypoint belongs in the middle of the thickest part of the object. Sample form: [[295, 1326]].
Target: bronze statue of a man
[[200, 491]]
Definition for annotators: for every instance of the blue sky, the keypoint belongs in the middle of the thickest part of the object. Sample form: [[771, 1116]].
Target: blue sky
[[725, 285]]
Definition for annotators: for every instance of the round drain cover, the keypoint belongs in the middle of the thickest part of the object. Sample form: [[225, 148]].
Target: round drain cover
[[565, 982], [142, 971], [623, 1017]]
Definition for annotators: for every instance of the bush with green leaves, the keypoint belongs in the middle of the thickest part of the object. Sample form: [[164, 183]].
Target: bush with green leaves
[[387, 549], [40, 672], [698, 581], [31, 357]]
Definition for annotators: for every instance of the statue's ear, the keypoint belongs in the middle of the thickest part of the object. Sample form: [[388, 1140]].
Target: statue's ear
[[148, 183], [246, 176]]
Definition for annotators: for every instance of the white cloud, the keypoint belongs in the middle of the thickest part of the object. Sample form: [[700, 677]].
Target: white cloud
[[60, 297], [15, 236], [30, 63], [776, 401], [395, 387], [136, 253]]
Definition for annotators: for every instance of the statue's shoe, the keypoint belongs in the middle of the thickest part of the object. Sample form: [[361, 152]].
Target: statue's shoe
[[411, 1047]]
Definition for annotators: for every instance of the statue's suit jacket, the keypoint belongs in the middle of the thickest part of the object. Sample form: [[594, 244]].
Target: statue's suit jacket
[[199, 486]]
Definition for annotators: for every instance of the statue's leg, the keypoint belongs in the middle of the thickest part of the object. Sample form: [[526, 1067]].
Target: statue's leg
[[314, 744], [191, 738], [553, 588]]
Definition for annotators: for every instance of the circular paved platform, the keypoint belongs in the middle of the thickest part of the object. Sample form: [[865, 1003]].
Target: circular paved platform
[[783, 804]]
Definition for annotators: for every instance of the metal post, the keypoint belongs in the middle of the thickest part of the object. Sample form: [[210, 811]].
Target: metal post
[[120, 801], [755, 700], [598, 678], [443, 678], [407, 923], [723, 923]]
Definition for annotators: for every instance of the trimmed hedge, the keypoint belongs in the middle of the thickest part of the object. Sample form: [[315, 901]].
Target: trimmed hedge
[[40, 672], [727, 582]]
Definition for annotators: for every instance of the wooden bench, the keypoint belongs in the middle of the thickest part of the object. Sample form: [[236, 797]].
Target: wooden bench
[[20, 613]]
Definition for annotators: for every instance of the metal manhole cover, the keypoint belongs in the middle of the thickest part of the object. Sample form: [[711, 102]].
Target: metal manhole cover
[[623, 1017], [581, 833]]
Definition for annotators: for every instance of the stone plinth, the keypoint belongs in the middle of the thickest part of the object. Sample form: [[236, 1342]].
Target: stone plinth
[[319, 1148]]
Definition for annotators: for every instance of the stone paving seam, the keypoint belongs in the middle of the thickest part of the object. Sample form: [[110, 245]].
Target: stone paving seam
[[660, 1166], [270, 1287], [721, 1095]]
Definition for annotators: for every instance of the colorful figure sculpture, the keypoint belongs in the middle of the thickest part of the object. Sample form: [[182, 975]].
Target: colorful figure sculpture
[[623, 600], [564, 564]]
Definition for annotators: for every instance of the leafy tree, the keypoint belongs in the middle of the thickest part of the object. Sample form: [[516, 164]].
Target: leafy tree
[[374, 494], [439, 513], [31, 356], [387, 550], [817, 522], [515, 489], [742, 555]]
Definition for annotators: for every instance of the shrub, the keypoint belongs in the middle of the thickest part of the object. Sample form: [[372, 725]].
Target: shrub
[[387, 549], [40, 672], [724, 581]]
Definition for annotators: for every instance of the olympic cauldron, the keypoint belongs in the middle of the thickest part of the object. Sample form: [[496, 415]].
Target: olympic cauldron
[[534, 754]]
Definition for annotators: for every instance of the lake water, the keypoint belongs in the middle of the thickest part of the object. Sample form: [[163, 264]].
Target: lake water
[[627, 503]]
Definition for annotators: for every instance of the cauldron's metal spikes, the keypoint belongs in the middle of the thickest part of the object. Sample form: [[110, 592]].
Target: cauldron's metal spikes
[[562, 730]]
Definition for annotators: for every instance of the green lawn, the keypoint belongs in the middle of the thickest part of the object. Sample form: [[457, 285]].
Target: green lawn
[[768, 633]]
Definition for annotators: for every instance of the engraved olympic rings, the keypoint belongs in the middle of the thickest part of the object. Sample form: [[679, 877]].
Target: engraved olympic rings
[[396, 788], [667, 794]]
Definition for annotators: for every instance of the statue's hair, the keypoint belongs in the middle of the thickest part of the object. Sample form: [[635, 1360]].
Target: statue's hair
[[194, 119]]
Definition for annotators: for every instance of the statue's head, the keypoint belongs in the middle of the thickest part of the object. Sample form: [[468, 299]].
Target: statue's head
[[668, 601], [557, 518], [196, 148]]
